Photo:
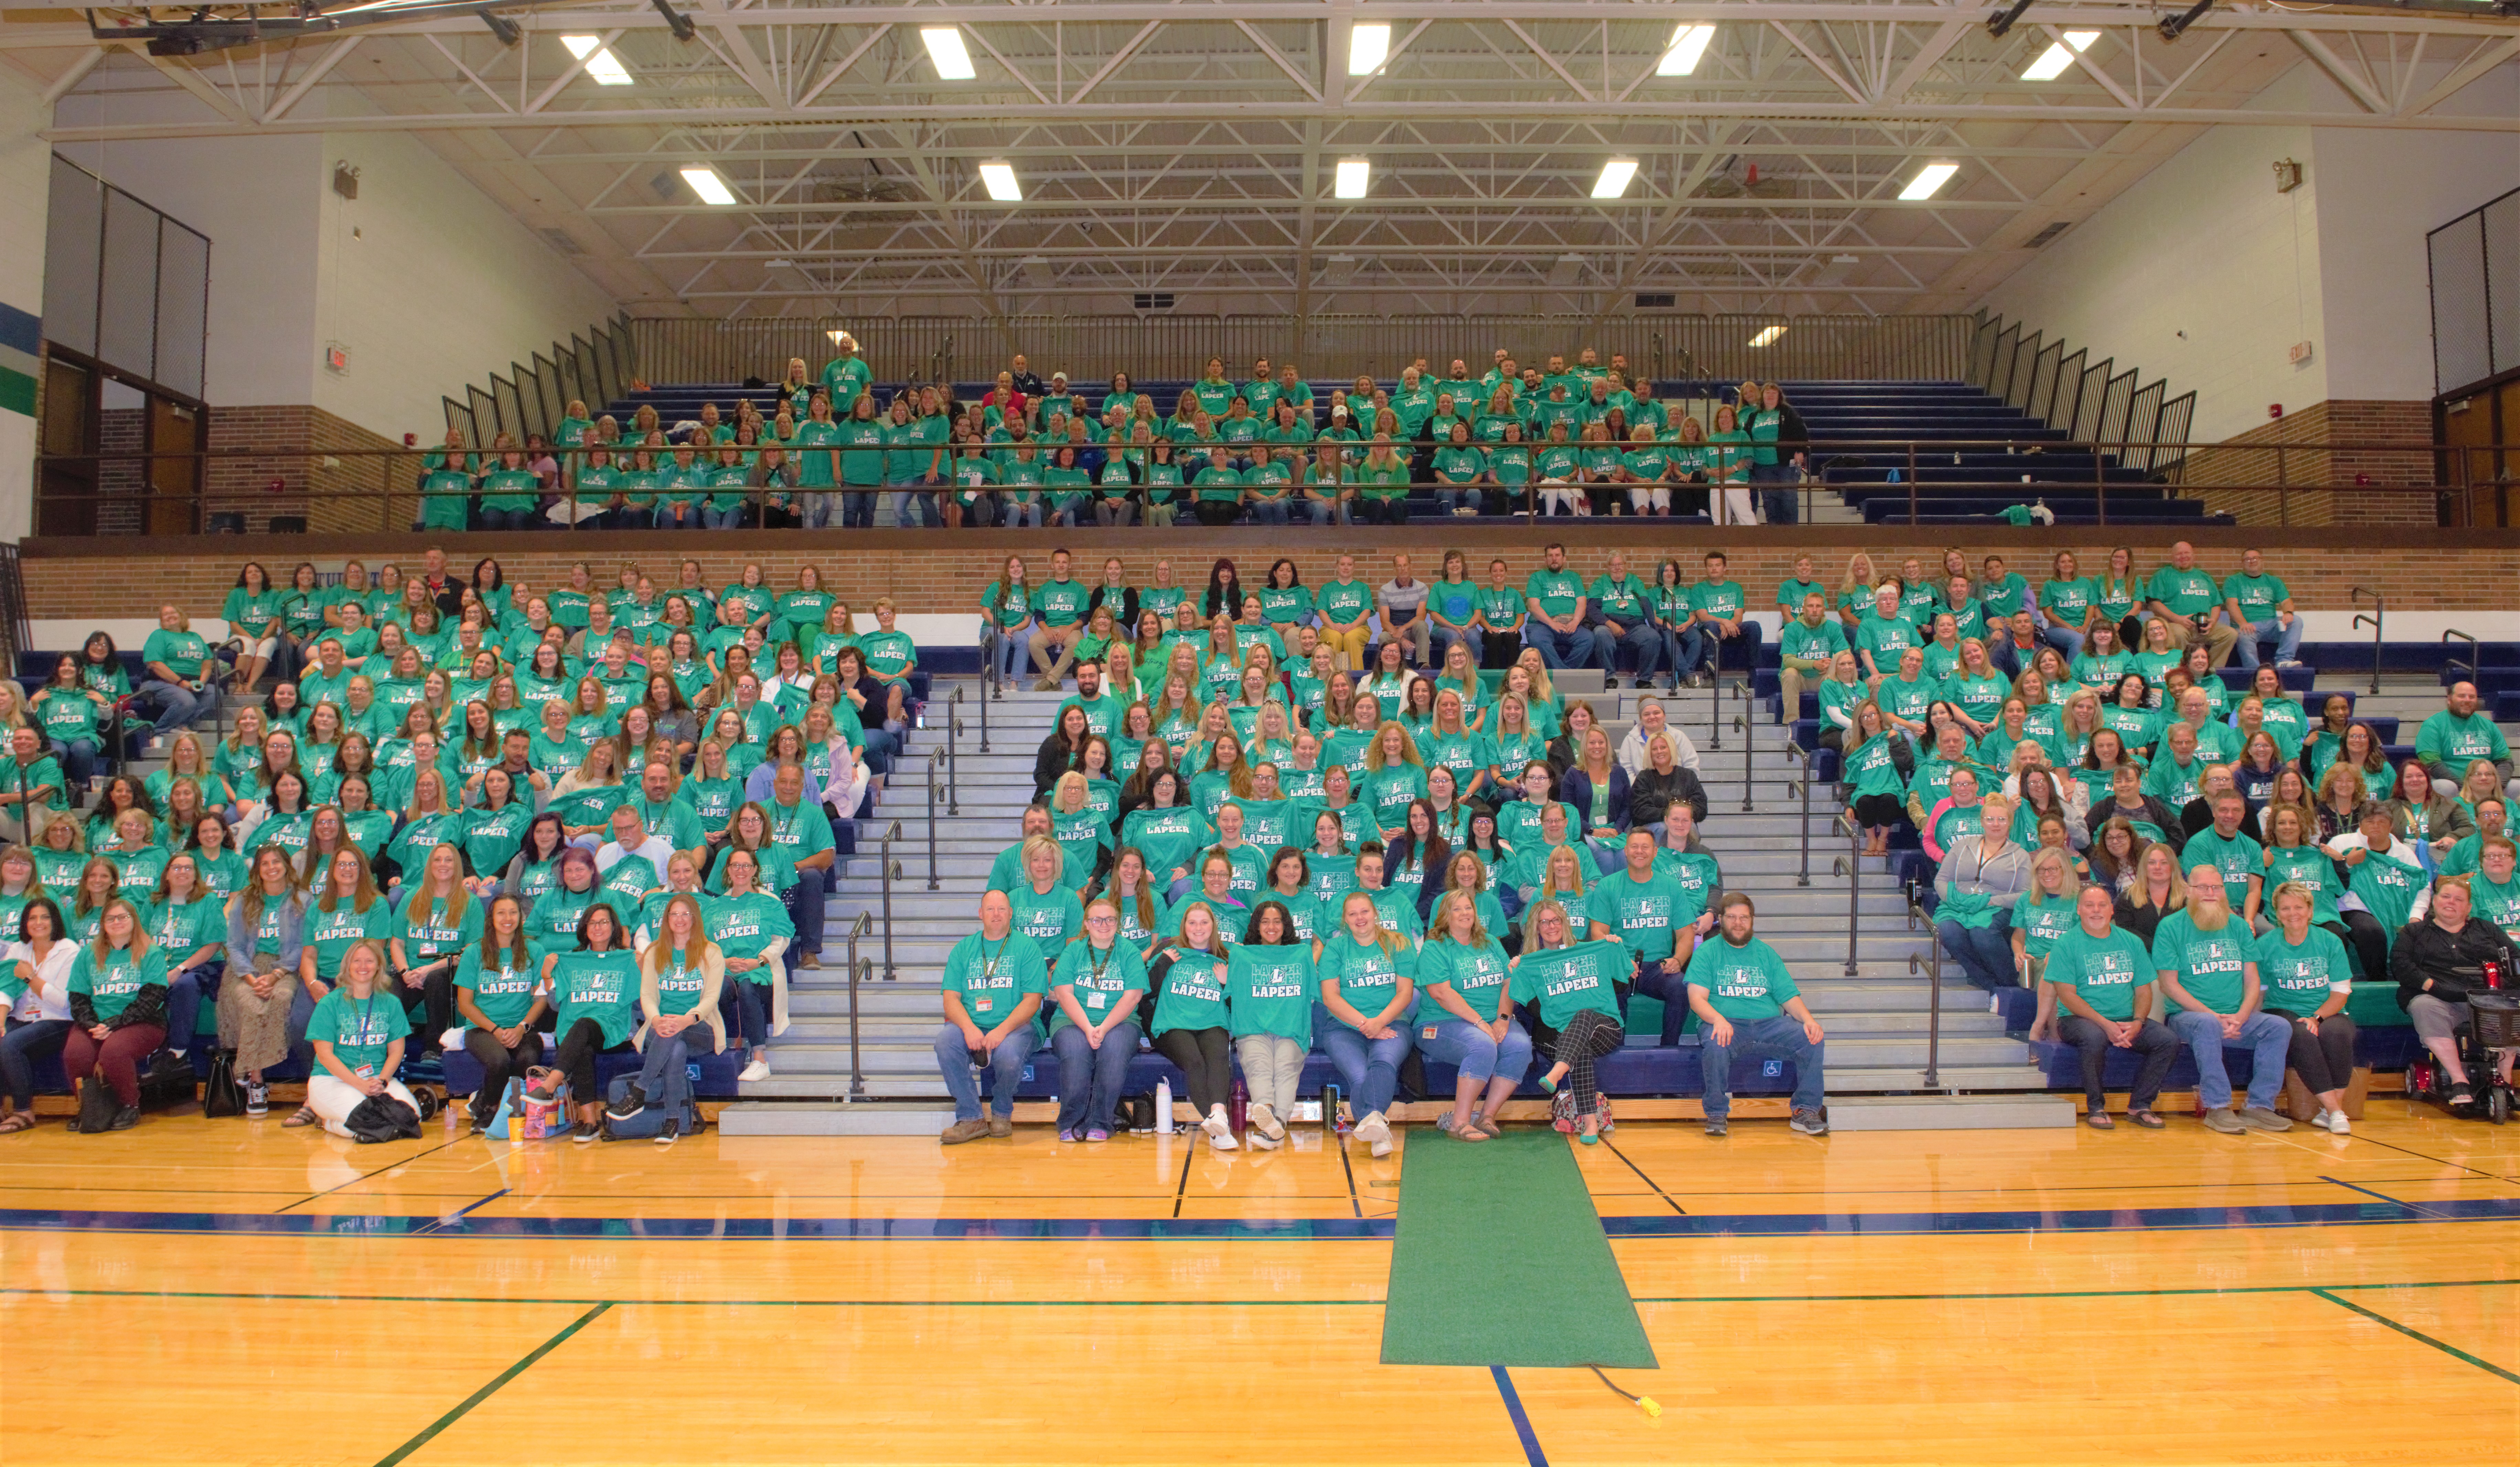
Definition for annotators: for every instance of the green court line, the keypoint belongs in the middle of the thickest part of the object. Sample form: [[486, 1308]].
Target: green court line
[[280, 1298], [2443, 1346], [429, 1433], [1499, 1258]]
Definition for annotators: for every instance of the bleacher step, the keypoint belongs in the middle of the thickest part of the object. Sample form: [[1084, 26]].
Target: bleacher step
[[1951, 1112], [857, 1118]]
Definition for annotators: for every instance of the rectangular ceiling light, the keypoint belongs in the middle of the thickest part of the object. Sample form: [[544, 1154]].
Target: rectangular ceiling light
[[2053, 61], [1614, 179], [1000, 180], [837, 335], [1352, 175], [712, 189], [1928, 179], [600, 63], [1768, 335], [1366, 47], [945, 48], [1688, 44]]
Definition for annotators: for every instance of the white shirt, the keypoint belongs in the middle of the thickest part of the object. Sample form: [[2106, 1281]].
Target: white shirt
[[2402, 851], [1632, 749], [54, 973], [613, 853]]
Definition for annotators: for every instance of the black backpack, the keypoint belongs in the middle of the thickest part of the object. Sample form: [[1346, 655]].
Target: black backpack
[[382, 1118]]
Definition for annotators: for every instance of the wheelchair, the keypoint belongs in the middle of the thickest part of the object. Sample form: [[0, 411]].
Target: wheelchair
[[2495, 1027]]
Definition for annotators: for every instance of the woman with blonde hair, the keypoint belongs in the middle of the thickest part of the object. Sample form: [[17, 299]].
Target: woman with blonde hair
[[358, 1031], [1366, 976], [2044, 913], [1462, 1018], [2159, 890], [117, 1003]]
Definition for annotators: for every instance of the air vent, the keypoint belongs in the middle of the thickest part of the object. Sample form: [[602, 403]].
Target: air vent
[[2050, 232], [1152, 300], [1655, 302], [560, 241]]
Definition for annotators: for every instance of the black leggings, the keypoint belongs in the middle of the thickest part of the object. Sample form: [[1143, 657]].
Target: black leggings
[[577, 1051], [1201, 1054], [2370, 941], [2325, 1060], [1585, 1038], [1216, 511], [1877, 810], [500, 1065]]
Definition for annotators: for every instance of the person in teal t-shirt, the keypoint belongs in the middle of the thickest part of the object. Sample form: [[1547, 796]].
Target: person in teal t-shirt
[[1572, 986], [1658, 919], [1367, 987], [1462, 1017], [357, 1030], [1748, 1006], [2307, 981], [995, 983], [1270, 994], [2104, 979], [1093, 996], [2207, 965], [595, 987]]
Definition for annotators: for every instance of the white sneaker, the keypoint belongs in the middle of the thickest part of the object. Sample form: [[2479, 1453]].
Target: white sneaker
[[2337, 1122], [759, 1069], [1259, 1141], [1219, 1133], [1375, 1131], [1262, 1122]]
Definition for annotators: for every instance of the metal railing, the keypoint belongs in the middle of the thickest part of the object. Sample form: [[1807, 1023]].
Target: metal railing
[[953, 755], [1932, 964], [2474, 657], [1741, 725], [888, 872], [1851, 867], [1801, 785], [934, 756], [858, 969], [2379, 615]]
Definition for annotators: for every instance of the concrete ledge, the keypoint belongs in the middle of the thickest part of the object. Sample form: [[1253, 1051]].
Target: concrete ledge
[[1952, 1113]]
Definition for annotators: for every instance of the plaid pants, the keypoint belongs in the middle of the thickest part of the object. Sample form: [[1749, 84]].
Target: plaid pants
[[1585, 1038]]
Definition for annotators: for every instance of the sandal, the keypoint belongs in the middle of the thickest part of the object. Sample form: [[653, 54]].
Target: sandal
[[2098, 1120], [16, 1120], [305, 1116], [2459, 1096], [2145, 1119]]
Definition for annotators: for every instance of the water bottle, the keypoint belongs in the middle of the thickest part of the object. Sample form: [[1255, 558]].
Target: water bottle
[[1164, 1107], [1238, 1104], [1331, 1119]]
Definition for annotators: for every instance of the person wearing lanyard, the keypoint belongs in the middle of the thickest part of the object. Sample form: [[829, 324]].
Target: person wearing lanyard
[[358, 1031], [995, 981], [680, 977], [800, 835], [261, 1003], [437, 920], [1368, 982], [498, 995], [593, 987], [1188, 978], [750, 924], [1095, 992]]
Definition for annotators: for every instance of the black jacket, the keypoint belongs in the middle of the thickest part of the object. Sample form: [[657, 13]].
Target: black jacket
[[2451, 961], [2159, 814], [1124, 616], [1650, 794], [1054, 759]]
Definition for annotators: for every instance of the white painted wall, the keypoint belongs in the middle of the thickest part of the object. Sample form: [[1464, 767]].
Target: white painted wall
[[431, 285], [2204, 245], [24, 178]]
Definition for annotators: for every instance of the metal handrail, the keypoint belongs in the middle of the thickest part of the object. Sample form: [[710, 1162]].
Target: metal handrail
[[888, 870], [2474, 657], [1803, 787], [932, 756], [991, 639], [2379, 614], [1933, 966], [984, 717], [1715, 700], [857, 969], [1741, 725], [953, 754], [1853, 868]]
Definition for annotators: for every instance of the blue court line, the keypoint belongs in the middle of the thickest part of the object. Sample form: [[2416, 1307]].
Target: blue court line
[[1521, 1423], [2379, 1211]]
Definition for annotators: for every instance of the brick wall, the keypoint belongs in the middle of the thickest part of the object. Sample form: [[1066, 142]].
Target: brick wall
[[280, 437], [2300, 449], [938, 571]]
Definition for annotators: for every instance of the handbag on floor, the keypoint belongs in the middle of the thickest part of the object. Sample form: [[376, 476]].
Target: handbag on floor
[[382, 1117], [95, 1106], [222, 1095]]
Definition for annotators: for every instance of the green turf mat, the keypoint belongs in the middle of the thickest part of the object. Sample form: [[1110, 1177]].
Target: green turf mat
[[1500, 1260]]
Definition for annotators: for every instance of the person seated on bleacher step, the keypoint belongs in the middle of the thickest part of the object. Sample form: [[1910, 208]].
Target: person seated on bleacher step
[[1746, 1002], [2205, 962], [2454, 737]]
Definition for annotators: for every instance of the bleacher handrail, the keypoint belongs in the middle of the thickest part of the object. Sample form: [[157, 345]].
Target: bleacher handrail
[[2474, 657], [1854, 870], [1932, 963], [953, 753], [933, 758], [858, 969], [1803, 786], [2377, 621], [1741, 725], [888, 870]]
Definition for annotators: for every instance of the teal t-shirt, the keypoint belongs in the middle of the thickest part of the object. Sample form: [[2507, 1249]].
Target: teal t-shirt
[[1270, 989], [1367, 976], [1096, 978], [1641, 915], [1477, 975], [1744, 982], [359, 1029], [992, 978], [503, 990], [1193, 989], [1563, 982], [2105, 970], [599, 986], [2297, 978], [2211, 965]]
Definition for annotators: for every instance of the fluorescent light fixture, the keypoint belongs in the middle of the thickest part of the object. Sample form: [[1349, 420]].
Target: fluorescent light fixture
[[712, 189], [1000, 180], [1352, 175], [1614, 179], [837, 334], [1928, 179], [945, 48], [2059, 55], [600, 63], [1368, 46], [1688, 44], [1768, 335]]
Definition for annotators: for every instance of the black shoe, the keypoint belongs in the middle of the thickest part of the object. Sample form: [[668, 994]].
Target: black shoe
[[168, 1066], [585, 1133], [1717, 1126], [672, 1132], [633, 1100], [125, 1117], [1609, 682]]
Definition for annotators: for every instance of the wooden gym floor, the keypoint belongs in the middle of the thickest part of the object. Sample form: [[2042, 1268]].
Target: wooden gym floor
[[231, 1292]]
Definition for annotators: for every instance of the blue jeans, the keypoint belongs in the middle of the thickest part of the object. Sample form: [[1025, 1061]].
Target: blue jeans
[[1741, 652], [1450, 496], [1984, 954], [1440, 640], [956, 1058], [882, 744], [715, 518], [1369, 1068], [1018, 512], [1781, 504], [1778, 1037], [1558, 649], [751, 1009], [28, 1041], [1467, 1048], [1269, 510], [2268, 1039], [1684, 647], [918, 509], [1009, 646], [1641, 638], [804, 902], [2287, 641], [1325, 511], [78, 761], [2064, 639], [665, 1066], [178, 705], [1090, 1079], [508, 520], [857, 508], [184, 999]]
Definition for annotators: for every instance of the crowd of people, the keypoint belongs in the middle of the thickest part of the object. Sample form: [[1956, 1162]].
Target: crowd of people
[[1365, 818], [817, 450]]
